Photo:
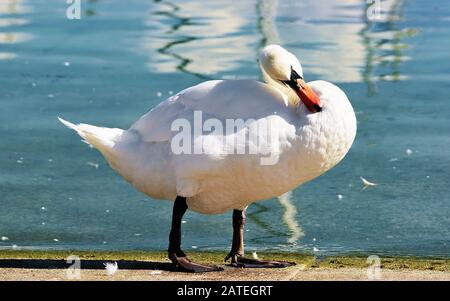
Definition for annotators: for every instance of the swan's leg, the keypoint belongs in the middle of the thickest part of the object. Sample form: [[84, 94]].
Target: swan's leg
[[237, 248], [176, 255]]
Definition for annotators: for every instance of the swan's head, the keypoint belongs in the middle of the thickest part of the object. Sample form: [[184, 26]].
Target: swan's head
[[282, 70]]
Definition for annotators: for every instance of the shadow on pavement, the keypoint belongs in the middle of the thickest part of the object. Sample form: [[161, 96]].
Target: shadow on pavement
[[84, 264]]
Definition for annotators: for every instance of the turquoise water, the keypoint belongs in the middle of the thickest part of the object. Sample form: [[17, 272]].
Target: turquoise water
[[124, 57]]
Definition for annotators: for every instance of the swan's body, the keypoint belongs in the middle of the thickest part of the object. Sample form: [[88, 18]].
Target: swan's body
[[305, 144], [217, 181]]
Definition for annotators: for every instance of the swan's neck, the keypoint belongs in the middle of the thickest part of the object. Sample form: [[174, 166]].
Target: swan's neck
[[293, 99], [290, 94]]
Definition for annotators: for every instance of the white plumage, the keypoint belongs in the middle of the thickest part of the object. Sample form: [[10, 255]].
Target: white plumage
[[111, 268], [307, 144]]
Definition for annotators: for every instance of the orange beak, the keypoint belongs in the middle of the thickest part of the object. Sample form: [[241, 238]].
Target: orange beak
[[308, 96]]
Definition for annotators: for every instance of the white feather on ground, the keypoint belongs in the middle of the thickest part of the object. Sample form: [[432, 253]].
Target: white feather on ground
[[111, 268]]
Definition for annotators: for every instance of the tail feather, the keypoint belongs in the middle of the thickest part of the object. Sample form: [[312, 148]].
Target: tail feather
[[103, 139]]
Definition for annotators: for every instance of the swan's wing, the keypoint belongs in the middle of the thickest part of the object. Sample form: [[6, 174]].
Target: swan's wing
[[256, 104], [227, 99]]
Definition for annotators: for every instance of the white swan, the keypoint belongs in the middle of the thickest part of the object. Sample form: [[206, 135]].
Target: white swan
[[311, 128]]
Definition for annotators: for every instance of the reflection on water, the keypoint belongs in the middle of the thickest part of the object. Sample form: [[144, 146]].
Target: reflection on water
[[338, 43], [5, 22], [14, 7], [90, 10], [290, 218], [325, 37], [256, 215], [267, 11], [385, 43], [198, 37], [10, 19], [335, 41]]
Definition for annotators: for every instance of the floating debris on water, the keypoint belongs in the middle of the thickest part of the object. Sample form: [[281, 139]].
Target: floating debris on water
[[50, 95], [67, 64], [314, 239], [367, 183], [92, 164], [55, 239], [316, 249], [4, 238], [393, 159], [340, 196], [194, 247], [183, 222], [15, 246], [111, 268], [170, 92], [137, 234], [408, 151], [43, 208], [159, 94]]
